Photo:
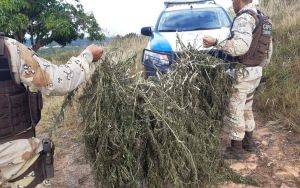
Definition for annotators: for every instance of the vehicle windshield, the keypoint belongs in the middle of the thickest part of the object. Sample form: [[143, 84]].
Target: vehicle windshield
[[193, 19]]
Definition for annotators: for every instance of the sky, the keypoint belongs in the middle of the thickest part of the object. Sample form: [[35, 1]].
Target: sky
[[126, 16]]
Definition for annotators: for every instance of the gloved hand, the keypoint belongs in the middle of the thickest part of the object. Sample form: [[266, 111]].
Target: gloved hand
[[96, 51]]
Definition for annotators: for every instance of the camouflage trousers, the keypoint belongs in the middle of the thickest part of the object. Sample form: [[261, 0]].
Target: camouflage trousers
[[241, 117], [15, 158]]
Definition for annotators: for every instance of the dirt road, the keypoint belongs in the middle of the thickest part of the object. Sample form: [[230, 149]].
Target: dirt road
[[277, 160]]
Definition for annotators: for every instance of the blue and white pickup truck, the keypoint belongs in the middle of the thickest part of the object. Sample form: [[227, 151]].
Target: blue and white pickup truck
[[188, 20]]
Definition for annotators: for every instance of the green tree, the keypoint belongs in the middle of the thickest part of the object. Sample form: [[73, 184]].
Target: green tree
[[47, 21]]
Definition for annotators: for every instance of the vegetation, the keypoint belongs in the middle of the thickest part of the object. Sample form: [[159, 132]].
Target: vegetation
[[156, 133], [280, 97], [146, 133], [46, 21]]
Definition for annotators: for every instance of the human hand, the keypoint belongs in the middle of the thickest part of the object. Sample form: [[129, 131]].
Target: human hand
[[209, 41], [96, 51]]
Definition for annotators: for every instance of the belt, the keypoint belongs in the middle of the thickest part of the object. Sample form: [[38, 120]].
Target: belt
[[29, 133]]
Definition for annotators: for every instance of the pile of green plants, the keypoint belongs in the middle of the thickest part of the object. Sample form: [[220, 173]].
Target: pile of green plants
[[156, 132]]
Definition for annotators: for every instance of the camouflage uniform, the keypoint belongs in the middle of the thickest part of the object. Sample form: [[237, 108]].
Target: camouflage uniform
[[36, 73], [241, 116]]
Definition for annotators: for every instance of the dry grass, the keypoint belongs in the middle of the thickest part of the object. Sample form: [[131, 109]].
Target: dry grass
[[285, 14], [280, 98], [130, 46], [51, 107]]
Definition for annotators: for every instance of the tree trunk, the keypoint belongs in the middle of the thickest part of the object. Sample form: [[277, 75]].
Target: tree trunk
[[19, 36], [36, 46]]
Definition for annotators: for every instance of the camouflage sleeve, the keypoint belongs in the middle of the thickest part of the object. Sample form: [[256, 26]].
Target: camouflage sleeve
[[241, 39], [51, 79]]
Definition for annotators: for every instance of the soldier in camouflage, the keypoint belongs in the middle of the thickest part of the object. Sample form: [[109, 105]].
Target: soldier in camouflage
[[252, 46], [21, 164]]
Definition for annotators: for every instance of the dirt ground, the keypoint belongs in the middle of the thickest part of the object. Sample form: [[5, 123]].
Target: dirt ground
[[275, 164], [71, 169], [277, 160]]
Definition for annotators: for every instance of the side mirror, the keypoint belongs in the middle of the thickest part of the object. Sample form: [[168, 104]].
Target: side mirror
[[147, 31]]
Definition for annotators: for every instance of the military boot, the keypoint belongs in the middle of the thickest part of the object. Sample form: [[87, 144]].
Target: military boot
[[235, 151], [248, 143]]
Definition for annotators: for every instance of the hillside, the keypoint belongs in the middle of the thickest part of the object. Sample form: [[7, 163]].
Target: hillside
[[55, 48]]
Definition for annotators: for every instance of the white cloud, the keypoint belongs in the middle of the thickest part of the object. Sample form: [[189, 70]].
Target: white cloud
[[126, 16], [225, 3], [122, 17]]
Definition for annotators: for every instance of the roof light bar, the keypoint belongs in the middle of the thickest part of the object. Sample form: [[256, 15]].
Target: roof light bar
[[170, 3]]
